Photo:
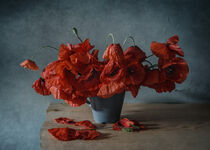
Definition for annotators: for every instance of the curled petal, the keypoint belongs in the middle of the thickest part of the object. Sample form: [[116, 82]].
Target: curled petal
[[134, 53], [81, 47], [29, 64], [126, 123], [160, 50], [114, 52], [86, 124], [110, 89], [176, 48], [39, 87], [173, 40], [64, 52]]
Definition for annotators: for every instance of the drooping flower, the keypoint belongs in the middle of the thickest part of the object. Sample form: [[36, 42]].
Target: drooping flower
[[135, 75], [112, 80], [39, 87], [175, 69], [167, 50], [114, 52], [134, 53], [29, 64], [156, 80]]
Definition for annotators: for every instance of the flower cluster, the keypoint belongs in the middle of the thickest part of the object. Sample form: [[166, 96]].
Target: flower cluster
[[78, 73]]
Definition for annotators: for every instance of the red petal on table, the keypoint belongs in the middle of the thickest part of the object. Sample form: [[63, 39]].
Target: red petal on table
[[64, 120], [39, 87], [29, 64], [116, 126], [87, 134], [63, 134], [86, 124], [126, 123]]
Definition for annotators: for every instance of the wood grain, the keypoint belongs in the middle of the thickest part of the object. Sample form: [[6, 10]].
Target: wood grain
[[170, 127]]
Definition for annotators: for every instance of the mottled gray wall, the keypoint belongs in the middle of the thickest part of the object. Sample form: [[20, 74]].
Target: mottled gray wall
[[28, 24]]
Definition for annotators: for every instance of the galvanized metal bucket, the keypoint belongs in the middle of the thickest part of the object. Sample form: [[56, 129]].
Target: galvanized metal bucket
[[107, 110]]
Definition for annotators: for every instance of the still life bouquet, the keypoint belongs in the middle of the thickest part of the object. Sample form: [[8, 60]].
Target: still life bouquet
[[78, 73]]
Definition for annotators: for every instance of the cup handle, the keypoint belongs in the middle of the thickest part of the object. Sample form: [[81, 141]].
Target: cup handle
[[88, 102]]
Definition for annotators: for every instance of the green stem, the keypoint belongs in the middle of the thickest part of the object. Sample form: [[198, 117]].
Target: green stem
[[129, 37], [155, 65], [110, 35], [150, 55], [148, 62], [76, 34], [47, 46]]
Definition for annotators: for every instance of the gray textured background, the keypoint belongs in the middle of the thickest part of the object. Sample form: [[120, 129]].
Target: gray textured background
[[27, 25]]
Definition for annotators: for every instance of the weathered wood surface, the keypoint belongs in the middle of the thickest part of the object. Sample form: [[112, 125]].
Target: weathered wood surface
[[170, 127]]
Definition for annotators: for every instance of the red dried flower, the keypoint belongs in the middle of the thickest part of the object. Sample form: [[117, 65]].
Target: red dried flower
[[167, 50], [39, 87], [29, 64], [114, 52], [175, 69], [134, 53]]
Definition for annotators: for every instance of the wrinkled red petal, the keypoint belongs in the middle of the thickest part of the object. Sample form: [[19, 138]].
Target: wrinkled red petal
[[29, 64], [87, 134], [110, 89], [86, 124], [134, 53], [177, 49], [166, 86], [160, 50], [64, 52], [173, 40], [81, 47], [76, 101], [39, 87], [114, 52], [63, 134], [64, 120], [176, 69], [135, 73], [126, 123]]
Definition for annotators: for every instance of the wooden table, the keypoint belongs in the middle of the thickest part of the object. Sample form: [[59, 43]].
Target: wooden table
[[170, 127]]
